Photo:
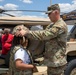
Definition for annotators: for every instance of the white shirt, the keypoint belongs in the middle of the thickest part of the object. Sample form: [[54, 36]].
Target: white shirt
[[23, 55]]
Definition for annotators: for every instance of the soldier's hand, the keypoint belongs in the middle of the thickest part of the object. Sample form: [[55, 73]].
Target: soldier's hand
[[22, 32]]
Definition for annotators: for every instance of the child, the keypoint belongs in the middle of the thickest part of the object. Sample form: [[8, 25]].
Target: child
[[20, 59]]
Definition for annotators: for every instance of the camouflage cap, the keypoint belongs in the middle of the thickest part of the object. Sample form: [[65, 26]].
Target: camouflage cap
[[52, 8], [18, 28]]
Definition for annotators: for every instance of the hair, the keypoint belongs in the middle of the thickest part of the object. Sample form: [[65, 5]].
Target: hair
[[16, 41], [6, 30]]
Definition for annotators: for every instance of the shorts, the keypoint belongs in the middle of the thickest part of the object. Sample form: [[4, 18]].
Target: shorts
[[56, 70]]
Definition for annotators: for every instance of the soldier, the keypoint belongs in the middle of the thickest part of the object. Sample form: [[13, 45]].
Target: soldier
[[55, 36]]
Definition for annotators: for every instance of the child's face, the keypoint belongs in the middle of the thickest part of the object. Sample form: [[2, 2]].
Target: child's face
[[24, 43]]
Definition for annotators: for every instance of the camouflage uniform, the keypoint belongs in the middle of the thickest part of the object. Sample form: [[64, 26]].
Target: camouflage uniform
[[13, 70], [55, 37]]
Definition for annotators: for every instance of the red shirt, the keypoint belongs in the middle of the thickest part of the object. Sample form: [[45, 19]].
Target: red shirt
[[6, 43]]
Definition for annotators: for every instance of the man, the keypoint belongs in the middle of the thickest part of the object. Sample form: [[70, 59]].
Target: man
[[6, 41], [55, 36]]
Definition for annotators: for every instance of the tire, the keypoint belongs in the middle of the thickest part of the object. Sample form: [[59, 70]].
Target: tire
[[70, 66]]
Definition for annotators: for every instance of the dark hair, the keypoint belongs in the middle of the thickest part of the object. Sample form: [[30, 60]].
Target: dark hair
[[16, 41]]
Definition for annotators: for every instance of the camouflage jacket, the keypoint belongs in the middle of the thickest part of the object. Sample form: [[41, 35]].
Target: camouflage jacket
[[55, 36], [12, 68]]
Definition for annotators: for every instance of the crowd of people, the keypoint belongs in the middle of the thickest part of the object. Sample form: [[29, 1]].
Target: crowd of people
[[55, 37]]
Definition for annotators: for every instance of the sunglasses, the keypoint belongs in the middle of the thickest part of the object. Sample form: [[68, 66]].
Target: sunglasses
[[49, 13]]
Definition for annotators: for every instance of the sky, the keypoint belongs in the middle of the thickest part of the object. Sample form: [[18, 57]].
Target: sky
[[65, 6]]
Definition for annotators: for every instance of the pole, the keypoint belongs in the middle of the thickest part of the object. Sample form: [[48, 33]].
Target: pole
[[50, 2]]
